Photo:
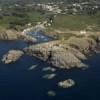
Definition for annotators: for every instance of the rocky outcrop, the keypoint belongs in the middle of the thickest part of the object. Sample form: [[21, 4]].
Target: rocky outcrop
[[8, 35], [66, 84], [42, 51], [12, 56], [49, 76], [61, 53], [84, 44], [63, 58], [27, 38], [51, 93], [64, 53], [14, 35], [49, 69], [32, 67]]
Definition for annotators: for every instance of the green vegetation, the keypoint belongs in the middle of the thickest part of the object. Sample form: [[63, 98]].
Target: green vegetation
[[77, 22], [35, 17], [18, 18]]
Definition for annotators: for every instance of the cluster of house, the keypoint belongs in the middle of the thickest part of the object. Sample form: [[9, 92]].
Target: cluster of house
[[47, 7], [66, 8], [74, 8], [82, 8]]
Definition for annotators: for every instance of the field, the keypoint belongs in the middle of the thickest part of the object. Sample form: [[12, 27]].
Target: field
[[16, 19], [77, 22]]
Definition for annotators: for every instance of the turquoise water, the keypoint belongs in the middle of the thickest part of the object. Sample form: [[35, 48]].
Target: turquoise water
[[19, 83]]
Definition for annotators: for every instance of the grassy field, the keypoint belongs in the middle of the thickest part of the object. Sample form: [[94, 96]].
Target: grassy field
[[19, 22], [35, 17], [77, 22]]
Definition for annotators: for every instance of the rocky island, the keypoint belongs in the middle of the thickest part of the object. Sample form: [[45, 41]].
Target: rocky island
[[12, 56], [66, 84]]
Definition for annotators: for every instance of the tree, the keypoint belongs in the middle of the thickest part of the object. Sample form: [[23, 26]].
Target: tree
[[50, 17]]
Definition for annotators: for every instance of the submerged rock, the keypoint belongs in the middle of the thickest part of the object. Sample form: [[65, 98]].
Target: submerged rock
[[32, 67], [66, 84], [12, 56], [49, 69], [49, 76], [51, 93]]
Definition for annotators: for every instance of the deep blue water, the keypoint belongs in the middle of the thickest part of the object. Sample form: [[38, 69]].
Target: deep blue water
[[18, 83]]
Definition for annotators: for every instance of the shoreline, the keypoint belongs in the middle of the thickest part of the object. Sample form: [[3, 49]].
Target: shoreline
[[64, 53]]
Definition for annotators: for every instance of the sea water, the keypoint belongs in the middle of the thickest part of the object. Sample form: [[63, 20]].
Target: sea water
[[17, 82]]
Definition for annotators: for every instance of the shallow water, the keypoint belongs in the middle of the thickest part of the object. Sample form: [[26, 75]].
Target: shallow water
[[19, 83], [41, 37]]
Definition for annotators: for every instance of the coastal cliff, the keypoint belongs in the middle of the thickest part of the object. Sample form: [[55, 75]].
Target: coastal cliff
[[64, 53], [14, 35]]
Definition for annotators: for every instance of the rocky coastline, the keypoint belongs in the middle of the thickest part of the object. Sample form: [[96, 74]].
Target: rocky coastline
[[60, 54], [9, 35], [65, 54]]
